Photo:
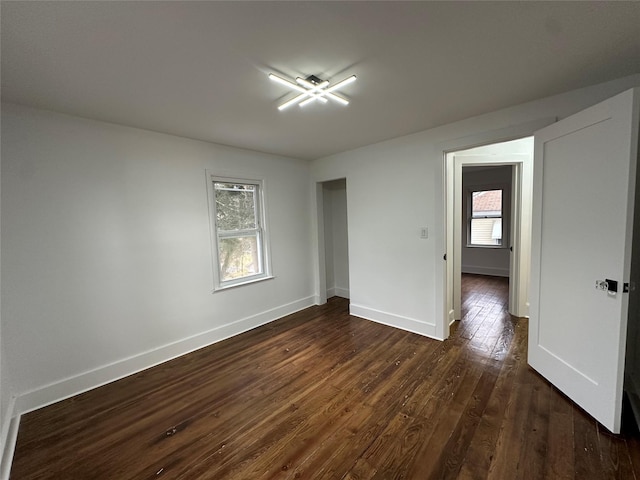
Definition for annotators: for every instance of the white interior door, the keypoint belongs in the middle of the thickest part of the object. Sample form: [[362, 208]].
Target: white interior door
[[584, 182]]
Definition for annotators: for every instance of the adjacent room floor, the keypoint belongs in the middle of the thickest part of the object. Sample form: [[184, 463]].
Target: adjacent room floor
[[324, 395]]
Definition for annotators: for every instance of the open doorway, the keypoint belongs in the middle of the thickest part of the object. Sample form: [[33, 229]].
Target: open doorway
[[485, 240], [501, 243], [335, 236]]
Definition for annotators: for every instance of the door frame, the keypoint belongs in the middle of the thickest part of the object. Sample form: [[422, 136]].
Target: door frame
[[321, 268], [445, 190], [320, 258], [520, 226]]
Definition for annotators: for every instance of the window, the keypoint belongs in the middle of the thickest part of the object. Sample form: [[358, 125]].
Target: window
[[485, 217], [239, 232]]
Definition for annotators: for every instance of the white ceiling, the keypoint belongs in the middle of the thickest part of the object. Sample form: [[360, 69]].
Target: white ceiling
[[199, 69]]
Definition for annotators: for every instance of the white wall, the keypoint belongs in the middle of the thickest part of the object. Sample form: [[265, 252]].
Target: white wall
[[106, 256], [336, 238], [396, 186], [487, 261], [107, 260]]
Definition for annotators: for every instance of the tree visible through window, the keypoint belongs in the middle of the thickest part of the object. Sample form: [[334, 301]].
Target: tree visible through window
[[485, 219], [239, 234]]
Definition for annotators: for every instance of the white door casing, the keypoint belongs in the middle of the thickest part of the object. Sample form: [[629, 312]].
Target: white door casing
[[584, 185], [520, 227], [444, 190]]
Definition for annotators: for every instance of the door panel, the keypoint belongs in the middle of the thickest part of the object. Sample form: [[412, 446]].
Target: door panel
[[584, 178]]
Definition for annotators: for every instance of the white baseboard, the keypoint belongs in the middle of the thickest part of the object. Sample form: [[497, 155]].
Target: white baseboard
[[342, 292], [338, 292], [452, 317], [480, 270], [8, 438], [83, 382], [393, 320]]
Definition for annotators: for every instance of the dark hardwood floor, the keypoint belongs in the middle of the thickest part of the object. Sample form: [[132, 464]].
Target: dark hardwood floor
[[323, 395]]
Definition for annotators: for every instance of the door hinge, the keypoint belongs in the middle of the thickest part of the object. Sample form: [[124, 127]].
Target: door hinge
[[444, 257]]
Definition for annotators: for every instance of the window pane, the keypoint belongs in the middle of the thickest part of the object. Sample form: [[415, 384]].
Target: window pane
[[486, 217], [486, 231], [239, 257], [487, 203], [235, 206]]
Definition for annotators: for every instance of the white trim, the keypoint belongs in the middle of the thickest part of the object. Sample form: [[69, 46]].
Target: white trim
[[261, 231], [245, 281], [520, 257], [469, 190], [9, 448], [444, 191], [338, 292], [8, 439], [320, 268], [319, 260], [341, 292], [392, 320], [83, 382], [7, 420]]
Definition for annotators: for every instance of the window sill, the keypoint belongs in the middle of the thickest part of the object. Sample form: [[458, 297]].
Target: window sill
[[491, 247], [241, 283]]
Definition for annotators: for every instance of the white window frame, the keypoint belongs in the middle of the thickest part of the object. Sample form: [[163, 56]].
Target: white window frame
[[260, 231], [483, 188]]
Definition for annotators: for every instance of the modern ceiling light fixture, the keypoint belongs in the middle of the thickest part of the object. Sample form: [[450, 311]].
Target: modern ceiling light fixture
[[312, 89]]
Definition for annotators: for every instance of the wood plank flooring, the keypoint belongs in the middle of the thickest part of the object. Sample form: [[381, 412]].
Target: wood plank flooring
[[323, 395]]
